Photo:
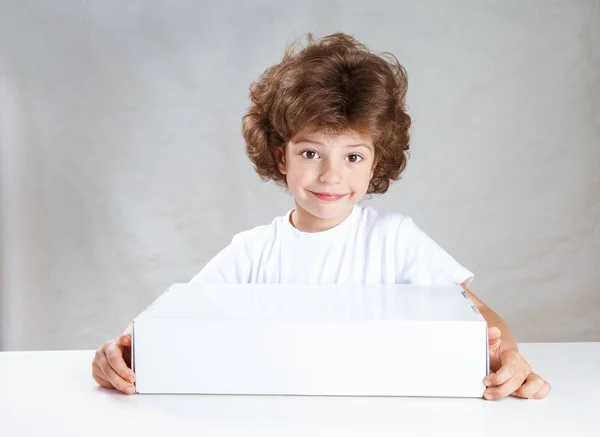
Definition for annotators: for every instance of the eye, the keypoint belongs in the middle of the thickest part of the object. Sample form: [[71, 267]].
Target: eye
[[309, 154], [355, 158]]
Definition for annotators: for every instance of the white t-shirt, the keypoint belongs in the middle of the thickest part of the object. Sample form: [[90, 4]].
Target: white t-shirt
[[368, 247]]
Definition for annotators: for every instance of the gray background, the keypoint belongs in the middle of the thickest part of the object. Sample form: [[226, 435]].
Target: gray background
[[123, 167]]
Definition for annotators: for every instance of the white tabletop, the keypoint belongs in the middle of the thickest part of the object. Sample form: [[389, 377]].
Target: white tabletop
[[53, 393]]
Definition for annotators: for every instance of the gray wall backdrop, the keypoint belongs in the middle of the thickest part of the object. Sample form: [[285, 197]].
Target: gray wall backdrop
[[123, 167]]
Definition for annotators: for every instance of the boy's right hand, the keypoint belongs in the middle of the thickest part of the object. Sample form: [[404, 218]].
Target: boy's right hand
[[111, 365]]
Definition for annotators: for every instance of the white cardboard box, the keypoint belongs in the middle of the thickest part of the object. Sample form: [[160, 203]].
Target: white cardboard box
[[284, 339]]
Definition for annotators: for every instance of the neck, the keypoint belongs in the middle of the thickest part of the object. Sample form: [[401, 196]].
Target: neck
[[306, 222]]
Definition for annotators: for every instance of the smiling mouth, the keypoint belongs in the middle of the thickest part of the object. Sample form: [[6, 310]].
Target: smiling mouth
[[329, 197]]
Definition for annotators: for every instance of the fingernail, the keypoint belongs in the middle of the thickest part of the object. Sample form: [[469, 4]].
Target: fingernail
[[489, 395], [130, 389], [131, 378], [487, 382]]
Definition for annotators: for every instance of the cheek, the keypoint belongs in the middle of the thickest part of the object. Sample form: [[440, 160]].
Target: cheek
[[363, 178], [299, 174], [292, 179]]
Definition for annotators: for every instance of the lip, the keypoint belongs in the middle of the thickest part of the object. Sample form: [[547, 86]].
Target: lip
[[328, 197]]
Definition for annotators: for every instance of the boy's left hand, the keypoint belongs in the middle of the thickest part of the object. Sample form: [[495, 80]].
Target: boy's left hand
[[513, 376]]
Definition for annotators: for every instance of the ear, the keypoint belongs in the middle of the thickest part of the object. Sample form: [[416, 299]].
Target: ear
[[279, 153]]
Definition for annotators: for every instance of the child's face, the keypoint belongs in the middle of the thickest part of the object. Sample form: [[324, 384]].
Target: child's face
[[327, 175]]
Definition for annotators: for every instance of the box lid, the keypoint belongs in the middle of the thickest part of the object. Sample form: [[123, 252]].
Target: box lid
[[296, 302]]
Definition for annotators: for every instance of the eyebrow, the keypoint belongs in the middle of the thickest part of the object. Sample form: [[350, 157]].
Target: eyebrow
[[305, 140]]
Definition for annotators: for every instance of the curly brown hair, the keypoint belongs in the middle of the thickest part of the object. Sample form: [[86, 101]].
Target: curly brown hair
[[333, 85]]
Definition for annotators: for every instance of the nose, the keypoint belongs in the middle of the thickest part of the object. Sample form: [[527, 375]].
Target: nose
[[331, 173]]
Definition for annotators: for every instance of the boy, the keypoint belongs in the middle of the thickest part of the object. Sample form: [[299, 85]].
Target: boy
[[329, 125]]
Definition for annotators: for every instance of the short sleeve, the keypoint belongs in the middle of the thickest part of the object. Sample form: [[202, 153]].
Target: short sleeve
[[423, 261], [230, 265]]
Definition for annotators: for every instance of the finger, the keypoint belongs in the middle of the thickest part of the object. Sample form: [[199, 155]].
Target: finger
[[114, 354], [124, 340], [505, 389], [125, 343], [504, 373], [117, 382], [543, 392], [533, 384], [114, 378], [98, 376]]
